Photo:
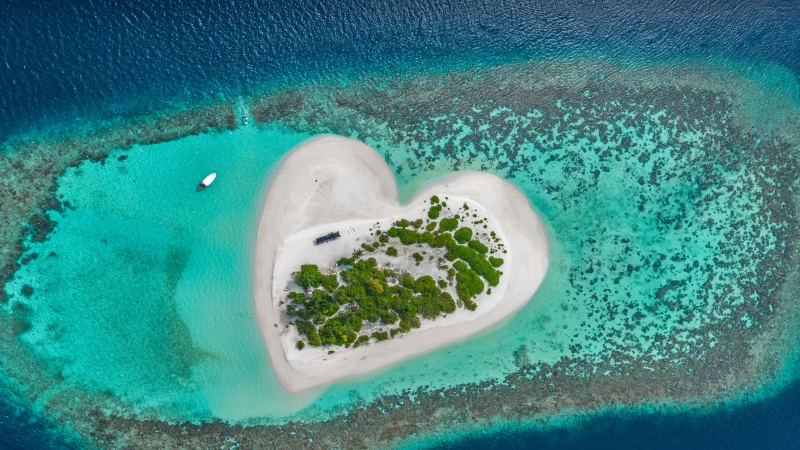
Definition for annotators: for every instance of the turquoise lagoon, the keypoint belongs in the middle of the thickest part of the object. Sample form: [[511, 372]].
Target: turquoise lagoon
[[144, 291]]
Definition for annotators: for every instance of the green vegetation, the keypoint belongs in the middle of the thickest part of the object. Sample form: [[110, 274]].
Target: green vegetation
[[362, 340], [334, 307], [449, 224], [496, 262], [345, 262], [463, 235], [335, 315], [477, 261], [478, 246], [381, 335], [460, 266], [308, 276]]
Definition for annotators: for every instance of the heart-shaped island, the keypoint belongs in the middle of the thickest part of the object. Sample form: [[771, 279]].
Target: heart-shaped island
[[348, 280]]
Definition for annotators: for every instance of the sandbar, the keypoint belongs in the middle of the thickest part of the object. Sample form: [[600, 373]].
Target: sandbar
[[330, 183]]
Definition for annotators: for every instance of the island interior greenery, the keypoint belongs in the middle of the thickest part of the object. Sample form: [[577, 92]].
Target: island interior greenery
[[361, 300]]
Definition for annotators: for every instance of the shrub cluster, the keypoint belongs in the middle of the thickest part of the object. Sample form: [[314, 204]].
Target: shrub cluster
[[308, 276], [449, 224], [495, 262], [478, 246], [477, 261], [463, 235], [334, 314]]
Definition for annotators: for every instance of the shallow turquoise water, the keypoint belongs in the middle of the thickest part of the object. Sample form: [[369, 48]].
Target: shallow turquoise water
[[148, 295]]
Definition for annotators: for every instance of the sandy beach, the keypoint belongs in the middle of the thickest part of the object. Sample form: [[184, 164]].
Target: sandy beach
[[332, 183]]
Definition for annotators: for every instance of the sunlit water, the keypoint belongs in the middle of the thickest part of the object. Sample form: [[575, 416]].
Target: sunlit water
[[143, 292]]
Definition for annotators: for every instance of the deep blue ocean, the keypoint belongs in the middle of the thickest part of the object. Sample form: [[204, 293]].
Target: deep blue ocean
[[771, 424], [71, 63], [63, 61]]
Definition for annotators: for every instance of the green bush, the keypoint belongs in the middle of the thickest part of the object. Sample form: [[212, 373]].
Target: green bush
[[395, 331], [380, 335], [392, 232], [448, 224], [297, 297], [446, 303], [300, 345], [476, 261], [434, 212], [339, 330], [408, 237], [368, 247], [495, 262], [308, 276], [310, 332], [330, 282], [442, 284], [427, 237], [383, 239], [478, 246], [391, 251], [388, 317], [470, 305], [361, 340], [431, 226], [418, 258], [460, 266], [417, 223], [463, 235], [407, 281], [434, 200], [403, 223], [468, 284], [345, 262]]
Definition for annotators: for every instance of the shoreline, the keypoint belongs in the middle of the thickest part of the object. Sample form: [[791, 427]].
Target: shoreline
[[327, 167]]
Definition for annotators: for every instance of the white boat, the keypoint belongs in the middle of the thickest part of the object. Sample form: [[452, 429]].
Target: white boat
[[207, 181]]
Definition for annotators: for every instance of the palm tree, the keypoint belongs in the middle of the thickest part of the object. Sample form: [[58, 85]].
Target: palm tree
[[357, 254]]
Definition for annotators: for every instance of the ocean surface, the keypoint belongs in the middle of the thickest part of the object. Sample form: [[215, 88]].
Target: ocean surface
[[143, 292]]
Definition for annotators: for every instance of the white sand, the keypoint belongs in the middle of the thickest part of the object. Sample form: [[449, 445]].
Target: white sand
[[334, 184]]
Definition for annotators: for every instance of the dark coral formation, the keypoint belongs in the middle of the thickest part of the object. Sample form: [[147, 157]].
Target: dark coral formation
[[689, 306]]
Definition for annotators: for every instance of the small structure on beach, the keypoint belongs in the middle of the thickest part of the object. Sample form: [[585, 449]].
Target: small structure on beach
[[327, 238]]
